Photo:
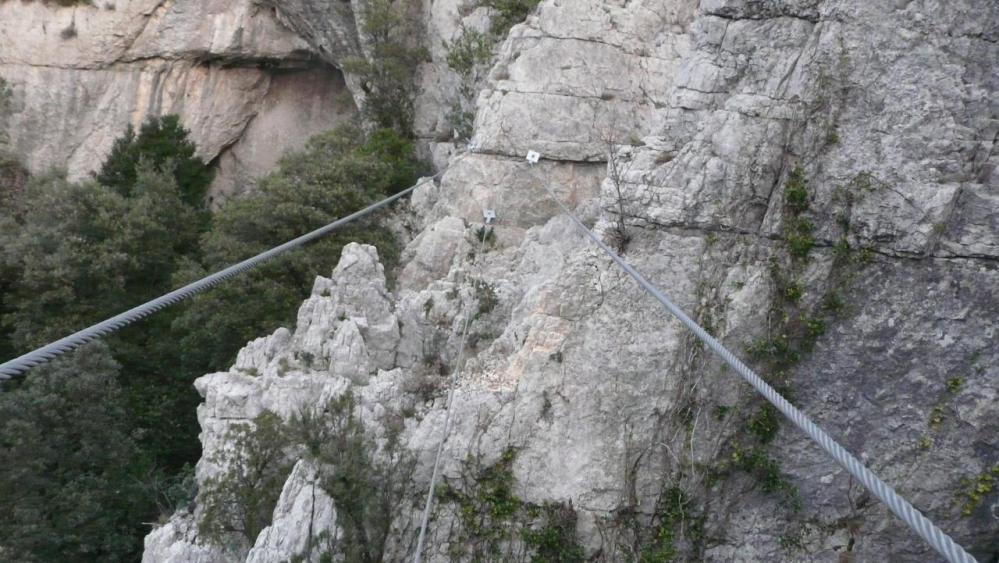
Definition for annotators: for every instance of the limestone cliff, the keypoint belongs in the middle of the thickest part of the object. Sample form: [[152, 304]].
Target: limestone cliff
[[813, 180], [245, 86]]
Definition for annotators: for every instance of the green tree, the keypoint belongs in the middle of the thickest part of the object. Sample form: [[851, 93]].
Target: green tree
[[73, 480], [160, 139], [388, 73], [83, 253]]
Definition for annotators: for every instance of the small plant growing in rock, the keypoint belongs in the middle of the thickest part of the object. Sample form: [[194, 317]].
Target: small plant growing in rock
[[671, 511], [954, 385], [486, 235], [493, 518], [486, 297], [554, 538], [767, 472], [975, 489], [797, 229], [308, 359], [617, 169], [936, 417], [793, 291], [765, 424], [240, 499]]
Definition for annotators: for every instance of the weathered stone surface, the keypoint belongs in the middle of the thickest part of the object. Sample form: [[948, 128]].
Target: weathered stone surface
[[514, 189], [431, 254], [246, 87], [304, 510], [177, 542], [601, 64], [889, 109]]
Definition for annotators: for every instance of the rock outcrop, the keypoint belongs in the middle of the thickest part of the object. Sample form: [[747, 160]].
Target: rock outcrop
[[245, 86], [814, 181]]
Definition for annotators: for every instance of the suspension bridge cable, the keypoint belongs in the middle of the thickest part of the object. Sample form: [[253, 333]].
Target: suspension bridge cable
[[428, 506], [23, 363], [933, 535]]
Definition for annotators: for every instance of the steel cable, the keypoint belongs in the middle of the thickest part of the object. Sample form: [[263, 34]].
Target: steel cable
[[428, 506], [933, 535], [21, 364]]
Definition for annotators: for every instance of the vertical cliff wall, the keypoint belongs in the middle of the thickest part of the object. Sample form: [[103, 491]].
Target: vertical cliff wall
[[812, 180], [246, 87]]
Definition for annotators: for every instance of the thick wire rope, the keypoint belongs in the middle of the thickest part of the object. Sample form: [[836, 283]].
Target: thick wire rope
[[23, 363], [933, 535], [452, 385]]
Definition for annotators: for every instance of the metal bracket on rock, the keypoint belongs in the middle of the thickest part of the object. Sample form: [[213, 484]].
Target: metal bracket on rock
[[533, 157], [488, 215]]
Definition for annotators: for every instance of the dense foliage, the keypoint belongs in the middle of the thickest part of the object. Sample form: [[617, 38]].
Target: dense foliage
[[508, 13], [159, 141], [72, 254], [73, 480]]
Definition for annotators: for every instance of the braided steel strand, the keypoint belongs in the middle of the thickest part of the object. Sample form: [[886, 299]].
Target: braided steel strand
[[428, 505], [21, 364]]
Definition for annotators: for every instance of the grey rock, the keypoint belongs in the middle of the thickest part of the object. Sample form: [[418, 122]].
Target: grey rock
[[81, 75], [889, 110], [304, 509]]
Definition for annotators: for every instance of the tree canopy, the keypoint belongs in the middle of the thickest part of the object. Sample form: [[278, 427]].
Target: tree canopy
[[71, 475], [96, 444], [160, 140]]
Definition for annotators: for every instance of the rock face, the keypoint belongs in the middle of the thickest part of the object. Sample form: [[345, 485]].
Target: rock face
[[814, 181], [246, 87]]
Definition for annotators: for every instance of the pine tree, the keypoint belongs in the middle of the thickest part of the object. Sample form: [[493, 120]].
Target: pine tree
[[160, 140]]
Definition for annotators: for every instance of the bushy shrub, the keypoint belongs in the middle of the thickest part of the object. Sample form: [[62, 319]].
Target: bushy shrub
[[163, 142], [366, 484], [388, 73], [75, 483], [509, 13], [472, 48], [240, 499]]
